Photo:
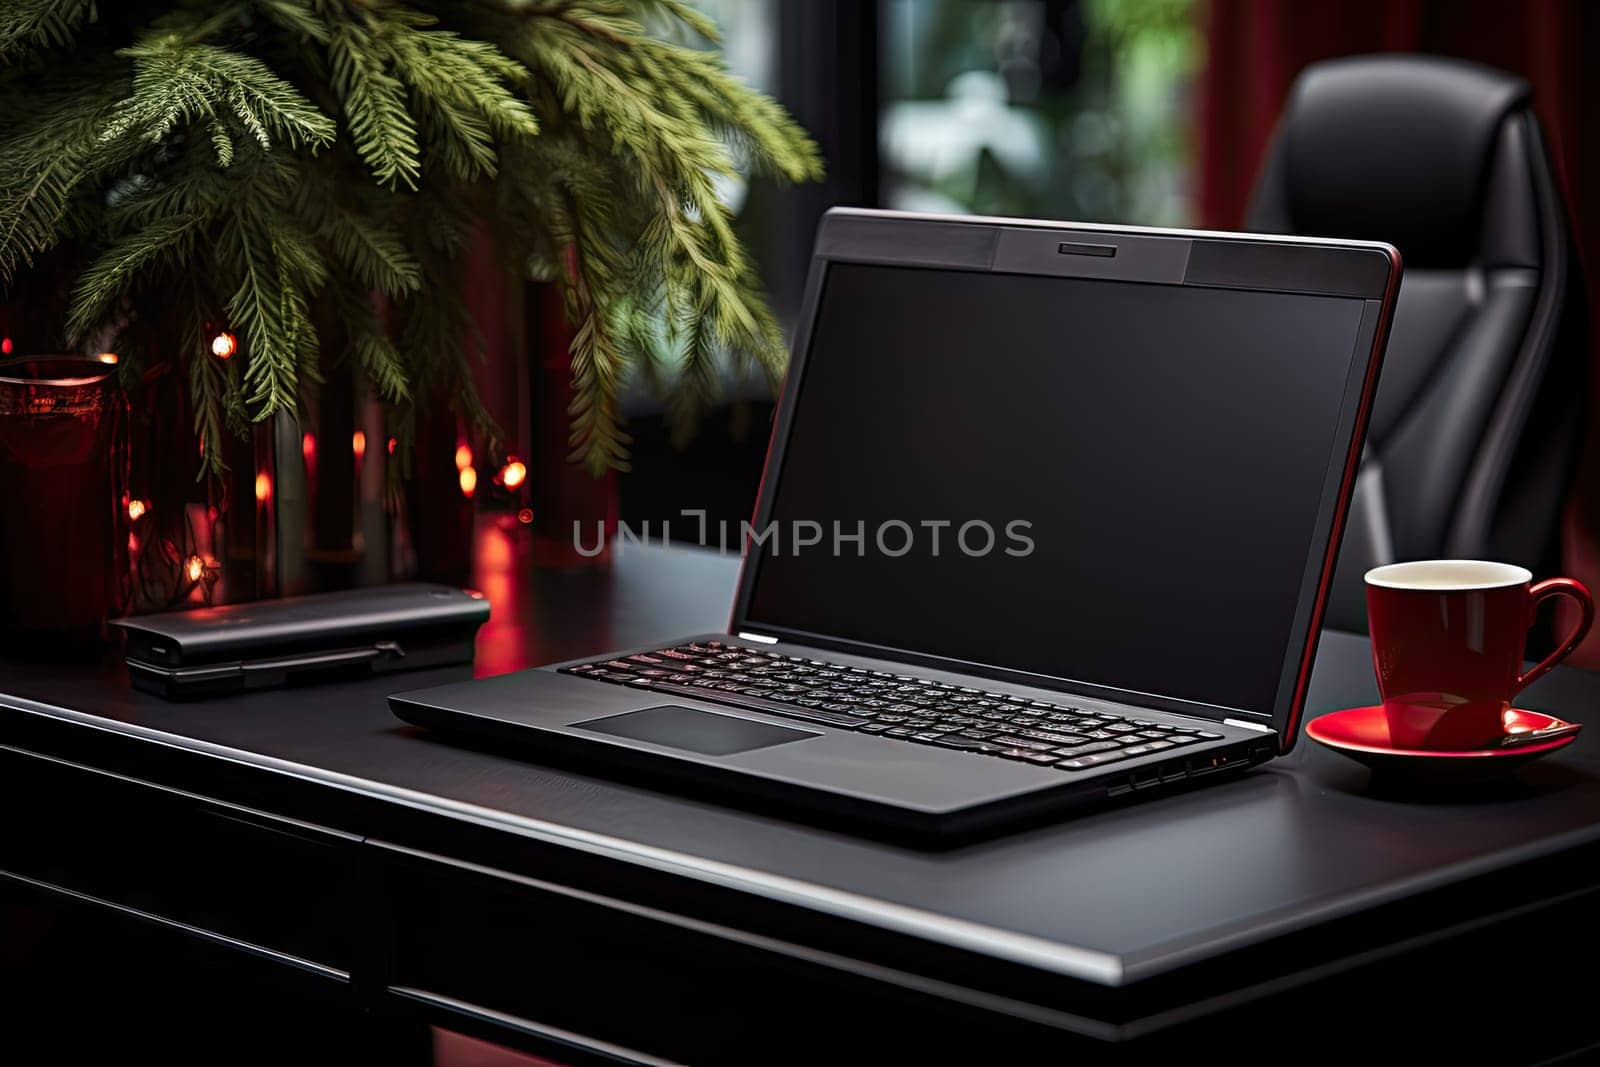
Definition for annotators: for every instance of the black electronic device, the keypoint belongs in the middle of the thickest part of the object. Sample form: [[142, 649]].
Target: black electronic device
[[265, 643], [1013, 463]]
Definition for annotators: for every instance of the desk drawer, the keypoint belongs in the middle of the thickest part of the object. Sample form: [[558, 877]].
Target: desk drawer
[[269, 883], [614, 978]]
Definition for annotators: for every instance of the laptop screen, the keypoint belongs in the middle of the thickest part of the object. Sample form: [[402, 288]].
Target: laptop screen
[[1110, 482]]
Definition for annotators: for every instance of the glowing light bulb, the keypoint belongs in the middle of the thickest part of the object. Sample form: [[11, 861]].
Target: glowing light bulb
[[514, 473], [469, 481], [358, 444], [263, 486], [392, 443], [195, 568], [224, 345], [5, 346], [525, 516], [136, 510], [107, 357], [463, 457], [308, 446]]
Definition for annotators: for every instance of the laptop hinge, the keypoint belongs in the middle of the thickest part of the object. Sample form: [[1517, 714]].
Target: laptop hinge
[[1256, 726], [763, 638]]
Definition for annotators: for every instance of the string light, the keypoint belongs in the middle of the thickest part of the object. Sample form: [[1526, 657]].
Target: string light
[[136, 510], [358, 444], [5, 346], [195, 568], [107, 357], [463, 456], [308, 446], [392, 443], [469, 481], [263, 486], [525, 516], [514, 473], [224, 345]]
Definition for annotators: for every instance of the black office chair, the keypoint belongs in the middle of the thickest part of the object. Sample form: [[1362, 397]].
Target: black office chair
[[1477, 421]]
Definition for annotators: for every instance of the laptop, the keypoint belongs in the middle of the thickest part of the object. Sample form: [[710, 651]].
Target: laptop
[[1049, 515]]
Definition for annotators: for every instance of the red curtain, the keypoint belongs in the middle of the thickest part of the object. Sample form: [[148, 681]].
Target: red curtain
[[1257, 47]]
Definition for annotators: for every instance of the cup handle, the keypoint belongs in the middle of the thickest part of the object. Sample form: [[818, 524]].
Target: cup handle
[[1579, 594]]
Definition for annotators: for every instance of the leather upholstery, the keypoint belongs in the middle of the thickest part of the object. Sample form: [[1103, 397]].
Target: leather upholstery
[[1475, 427]]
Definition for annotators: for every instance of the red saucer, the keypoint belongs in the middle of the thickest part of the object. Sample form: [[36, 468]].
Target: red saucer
[[1363, 735]]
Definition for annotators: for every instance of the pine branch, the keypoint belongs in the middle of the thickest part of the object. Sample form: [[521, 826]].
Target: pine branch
[[110, 276], [375, 253], [374, 107], [276, 267], [596, 439], [462, 141], [27, 24], [222, 143], [301, 338], [599, 363], [256, 307], [252, 88], [353, 233], [377, 356], [698, 384], [690, 239], [206, 388], [472, 76], [465, 89], [697, 23], [588, 136], [297, 17], [46, 161], [249, 120], [297, 252], [176, 81], [771, 140]]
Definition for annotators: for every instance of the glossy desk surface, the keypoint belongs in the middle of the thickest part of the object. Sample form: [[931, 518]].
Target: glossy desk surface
[[1111, 897]]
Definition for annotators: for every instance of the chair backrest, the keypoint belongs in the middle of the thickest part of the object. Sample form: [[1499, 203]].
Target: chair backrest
[[1476, 424]]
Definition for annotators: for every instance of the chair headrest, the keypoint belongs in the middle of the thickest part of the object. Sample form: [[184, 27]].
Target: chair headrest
[[1395, 148]]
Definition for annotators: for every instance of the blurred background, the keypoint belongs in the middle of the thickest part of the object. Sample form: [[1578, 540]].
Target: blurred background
[[1070, 109], [1153, 112]]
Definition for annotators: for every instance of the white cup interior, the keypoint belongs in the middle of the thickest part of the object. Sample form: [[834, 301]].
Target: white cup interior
[[1448, 575]]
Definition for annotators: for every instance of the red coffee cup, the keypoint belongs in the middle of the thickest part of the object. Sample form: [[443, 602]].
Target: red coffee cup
[[1447, 643]]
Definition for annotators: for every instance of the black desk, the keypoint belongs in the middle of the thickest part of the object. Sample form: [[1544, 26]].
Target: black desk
[[312, 840]]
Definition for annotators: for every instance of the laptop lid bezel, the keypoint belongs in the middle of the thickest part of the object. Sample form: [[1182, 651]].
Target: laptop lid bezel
[[1369, 271]]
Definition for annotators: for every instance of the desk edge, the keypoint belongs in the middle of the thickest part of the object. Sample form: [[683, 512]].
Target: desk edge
[[1071, 961]]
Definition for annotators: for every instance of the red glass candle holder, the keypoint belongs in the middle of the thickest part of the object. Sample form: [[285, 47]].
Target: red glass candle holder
[[63, 560]]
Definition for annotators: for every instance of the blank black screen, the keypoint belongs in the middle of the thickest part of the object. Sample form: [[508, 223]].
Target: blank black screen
[[1166, 445]]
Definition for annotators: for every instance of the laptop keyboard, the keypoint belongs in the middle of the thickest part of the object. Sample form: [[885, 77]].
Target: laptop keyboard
[[900, 706]]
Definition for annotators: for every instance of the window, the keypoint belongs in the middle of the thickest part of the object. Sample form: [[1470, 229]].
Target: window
[[1074, 109]]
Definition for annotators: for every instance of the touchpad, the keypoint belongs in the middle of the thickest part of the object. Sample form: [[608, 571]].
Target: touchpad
[[695, 731]]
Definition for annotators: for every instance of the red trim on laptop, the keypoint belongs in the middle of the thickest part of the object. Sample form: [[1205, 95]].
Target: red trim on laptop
[[761, 493], [1352, 463]]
